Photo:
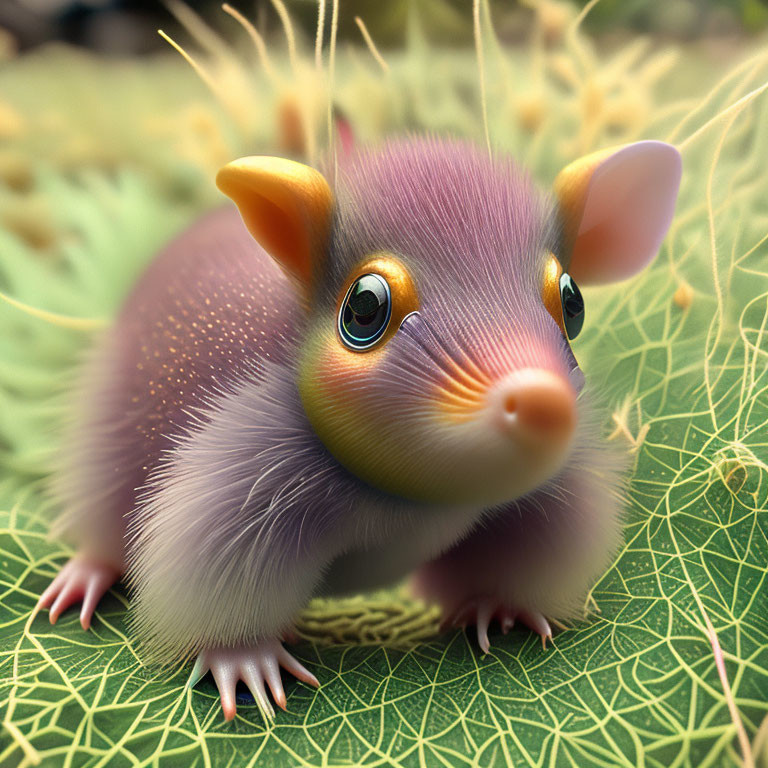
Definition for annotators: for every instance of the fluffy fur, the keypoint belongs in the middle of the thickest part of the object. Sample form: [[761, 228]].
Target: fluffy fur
[[237, 513]]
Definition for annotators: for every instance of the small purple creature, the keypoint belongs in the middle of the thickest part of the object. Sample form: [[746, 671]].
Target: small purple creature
[[381, 385]]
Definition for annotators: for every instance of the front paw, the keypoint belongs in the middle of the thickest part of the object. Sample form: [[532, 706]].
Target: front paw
[[82, 579], [254, 665], [480, 611]]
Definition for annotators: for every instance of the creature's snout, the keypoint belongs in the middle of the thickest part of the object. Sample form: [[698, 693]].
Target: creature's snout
[[536, 404]]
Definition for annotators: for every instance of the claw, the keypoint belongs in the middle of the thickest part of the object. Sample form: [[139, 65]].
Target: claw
[[298, 670], [538, 624], [271, 672], [484, 614], [80, 579], [258, 667], [226, 681], [482, 611]]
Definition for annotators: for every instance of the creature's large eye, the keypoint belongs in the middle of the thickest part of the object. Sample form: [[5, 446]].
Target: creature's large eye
[[562, 298], [573, 306], [365, 312], [373, 302]]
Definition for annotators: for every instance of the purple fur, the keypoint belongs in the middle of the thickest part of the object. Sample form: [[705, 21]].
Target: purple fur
[[474, 231], [244, 514], [192, 324], [252, 496]]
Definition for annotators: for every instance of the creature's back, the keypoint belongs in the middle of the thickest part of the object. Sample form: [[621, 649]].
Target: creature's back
[[206, 312]]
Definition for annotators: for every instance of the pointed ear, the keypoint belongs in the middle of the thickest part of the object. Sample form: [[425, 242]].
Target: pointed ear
[[616, 206], [285, 205]]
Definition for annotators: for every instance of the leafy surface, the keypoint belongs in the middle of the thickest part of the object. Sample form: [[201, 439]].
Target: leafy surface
[[681, 354]]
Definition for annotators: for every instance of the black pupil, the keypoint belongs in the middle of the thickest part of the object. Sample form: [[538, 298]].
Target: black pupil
[[364, 304], [573, 306], [366, 311]]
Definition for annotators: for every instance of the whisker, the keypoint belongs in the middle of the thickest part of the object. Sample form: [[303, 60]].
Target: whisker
[[371, 45], [319, 36], [199, 30], [258, 40], [290, 37], [199, 71]]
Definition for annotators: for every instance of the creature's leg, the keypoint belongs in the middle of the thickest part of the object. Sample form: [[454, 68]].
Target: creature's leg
[[220, 572], [81, 579], [232, 541], [535, 559], [93, 486]]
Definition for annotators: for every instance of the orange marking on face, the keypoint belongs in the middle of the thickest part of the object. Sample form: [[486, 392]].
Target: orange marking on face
[[460, 389], [458, 407], [449, 397], [550, 290], [456, 392], [478, 382]]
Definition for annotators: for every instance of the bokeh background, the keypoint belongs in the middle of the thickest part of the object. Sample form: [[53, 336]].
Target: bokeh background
[[128, 27]]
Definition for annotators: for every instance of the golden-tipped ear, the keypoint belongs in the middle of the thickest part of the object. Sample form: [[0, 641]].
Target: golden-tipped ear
[[616, 206], [285, 205]]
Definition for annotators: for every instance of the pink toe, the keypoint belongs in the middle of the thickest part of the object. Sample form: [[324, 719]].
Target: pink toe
[[271, 671], [252, 677], [49, 595], [67, 597], [298, 670], [95, 590], [79, 579], [484, 613], [537, 623], [226, 682]]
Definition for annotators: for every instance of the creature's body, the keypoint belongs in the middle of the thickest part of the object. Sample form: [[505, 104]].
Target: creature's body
[[240, 449]]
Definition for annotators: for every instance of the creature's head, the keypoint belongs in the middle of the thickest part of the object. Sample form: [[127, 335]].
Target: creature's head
[[442, 299]]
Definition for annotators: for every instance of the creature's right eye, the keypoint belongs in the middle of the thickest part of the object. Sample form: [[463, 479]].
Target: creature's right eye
[[365, 312]]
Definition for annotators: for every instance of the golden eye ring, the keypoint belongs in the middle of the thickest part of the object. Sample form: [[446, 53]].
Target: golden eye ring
[[373, 303]]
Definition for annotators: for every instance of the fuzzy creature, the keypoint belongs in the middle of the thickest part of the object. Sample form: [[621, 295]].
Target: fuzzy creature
[[381, 384]]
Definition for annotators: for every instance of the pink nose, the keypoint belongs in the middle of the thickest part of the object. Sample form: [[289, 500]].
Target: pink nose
[[536, 402]]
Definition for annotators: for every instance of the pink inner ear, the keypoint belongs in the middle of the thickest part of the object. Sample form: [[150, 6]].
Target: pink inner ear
[[630, 203]]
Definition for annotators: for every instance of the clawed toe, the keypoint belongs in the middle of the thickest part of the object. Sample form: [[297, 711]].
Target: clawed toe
[[258, 667], [80, 580], [482, 611], [536, 621]]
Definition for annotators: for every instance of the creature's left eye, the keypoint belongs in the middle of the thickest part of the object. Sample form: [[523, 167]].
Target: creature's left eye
[[365, 312], [573, 306], [562, 298]]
